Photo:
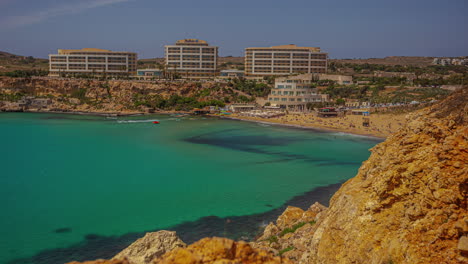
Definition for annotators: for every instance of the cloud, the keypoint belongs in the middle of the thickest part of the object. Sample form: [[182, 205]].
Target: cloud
[[39, 16]]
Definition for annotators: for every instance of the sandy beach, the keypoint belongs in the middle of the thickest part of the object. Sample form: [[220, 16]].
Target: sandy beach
[[381, 125]]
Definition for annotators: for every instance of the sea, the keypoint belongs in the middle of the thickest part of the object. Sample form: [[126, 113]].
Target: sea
[[77, 187]]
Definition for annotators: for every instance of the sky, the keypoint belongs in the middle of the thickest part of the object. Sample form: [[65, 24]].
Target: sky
[[343, 28]]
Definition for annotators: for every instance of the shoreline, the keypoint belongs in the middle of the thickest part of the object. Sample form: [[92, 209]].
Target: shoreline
[[236, 118], [311, 127], [104, 114]]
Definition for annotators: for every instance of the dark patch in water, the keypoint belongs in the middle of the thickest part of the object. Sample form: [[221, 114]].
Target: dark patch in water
[[92, 236], [268, 205], [235, 227], [249, 143], [63, 230]]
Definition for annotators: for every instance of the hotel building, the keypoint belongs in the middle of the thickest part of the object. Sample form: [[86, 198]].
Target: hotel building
[[284, 60], [192, 58], [295, 92], [92, 61]]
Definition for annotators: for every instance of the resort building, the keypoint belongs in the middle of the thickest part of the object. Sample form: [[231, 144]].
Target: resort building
[[284, 60], [295, 92], [231, 73], [192, 58], [148, 74], [92, 62], [339, 79]]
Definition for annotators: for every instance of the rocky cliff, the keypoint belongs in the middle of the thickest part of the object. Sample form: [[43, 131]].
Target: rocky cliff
[[408, 204]]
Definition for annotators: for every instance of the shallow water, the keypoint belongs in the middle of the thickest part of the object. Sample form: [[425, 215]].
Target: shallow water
[[81, 187]]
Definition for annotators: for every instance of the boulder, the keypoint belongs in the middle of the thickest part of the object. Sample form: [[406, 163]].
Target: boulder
[[150, 247], [219, 250]]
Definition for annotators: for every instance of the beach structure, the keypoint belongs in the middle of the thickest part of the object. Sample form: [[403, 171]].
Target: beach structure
[[327, 112], [241, 107], [339, 79], [192, 58], [295, 92], [231, 73], [148, 74], [355, 103], [90, 61], [284, 60]]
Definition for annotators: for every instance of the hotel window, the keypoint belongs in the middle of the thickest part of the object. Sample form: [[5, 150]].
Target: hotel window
[[292, 99], [284, 99], [276, 99], [299, 99], [280, 86], [270, 99], [96, 59], [273, 92]]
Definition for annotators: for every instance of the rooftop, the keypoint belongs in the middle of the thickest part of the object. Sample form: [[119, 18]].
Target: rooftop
[[197, 42], [71, 51], [290, 46]]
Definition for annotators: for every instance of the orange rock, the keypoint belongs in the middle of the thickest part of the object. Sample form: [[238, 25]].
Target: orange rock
[[219, 250], [102, 261]]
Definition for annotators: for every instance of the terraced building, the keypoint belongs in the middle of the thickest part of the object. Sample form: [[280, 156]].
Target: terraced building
[[192, 58], [92, 61], [284, 60]]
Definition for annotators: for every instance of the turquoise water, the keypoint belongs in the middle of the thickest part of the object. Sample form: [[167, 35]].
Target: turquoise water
[[68, 179]]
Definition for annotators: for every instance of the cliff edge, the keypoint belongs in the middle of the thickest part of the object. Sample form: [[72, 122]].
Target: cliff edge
[[408, 202]]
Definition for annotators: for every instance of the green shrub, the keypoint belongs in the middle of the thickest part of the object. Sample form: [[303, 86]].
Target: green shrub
[[292, 229], [281, 252]]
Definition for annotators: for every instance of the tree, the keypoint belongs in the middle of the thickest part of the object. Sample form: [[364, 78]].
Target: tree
[[340, 101]]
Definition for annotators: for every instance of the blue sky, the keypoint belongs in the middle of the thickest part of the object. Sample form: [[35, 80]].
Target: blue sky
[[344, 28]]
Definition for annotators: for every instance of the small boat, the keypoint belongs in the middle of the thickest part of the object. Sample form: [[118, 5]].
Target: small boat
[[155, 122]]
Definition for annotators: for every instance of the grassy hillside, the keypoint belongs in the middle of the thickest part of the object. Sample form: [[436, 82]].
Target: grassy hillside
[[10, 62]]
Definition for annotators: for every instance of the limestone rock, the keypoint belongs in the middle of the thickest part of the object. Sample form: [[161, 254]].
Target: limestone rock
[[409, 200], [289, 217], [219, 250], [463, 244], [150, 247], [102, 261]]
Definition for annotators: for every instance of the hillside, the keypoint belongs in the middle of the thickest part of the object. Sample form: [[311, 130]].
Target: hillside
[[121, 96], [391, 60], [11, 62]]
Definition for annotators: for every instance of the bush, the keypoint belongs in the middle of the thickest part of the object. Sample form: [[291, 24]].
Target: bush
[[281, 252], [292, 229]]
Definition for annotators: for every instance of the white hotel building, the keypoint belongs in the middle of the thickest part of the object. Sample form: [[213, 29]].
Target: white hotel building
[[192, 58], [296, 91], [284, 60], [92, 61]]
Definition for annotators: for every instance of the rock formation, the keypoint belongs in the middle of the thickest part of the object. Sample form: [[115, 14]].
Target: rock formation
[[219, 250], [112, 95], [408, 203], [102, 261], [150, 247]]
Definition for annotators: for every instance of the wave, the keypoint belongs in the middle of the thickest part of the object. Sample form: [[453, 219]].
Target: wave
[[137, 121]]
